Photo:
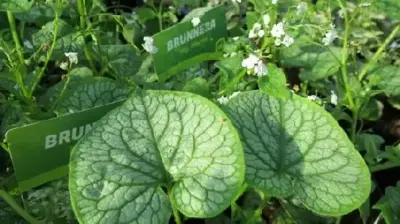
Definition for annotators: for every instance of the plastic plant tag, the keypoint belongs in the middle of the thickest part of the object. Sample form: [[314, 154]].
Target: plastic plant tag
[[188, 43], [40, 151]]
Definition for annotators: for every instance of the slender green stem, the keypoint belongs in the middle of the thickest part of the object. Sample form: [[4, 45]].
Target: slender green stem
[[378, 53], [49, 54], [82, 23], [338, 220], [17, 208], [344, 57], [159, 15], [173, 205], [19, 48], [385, 166]]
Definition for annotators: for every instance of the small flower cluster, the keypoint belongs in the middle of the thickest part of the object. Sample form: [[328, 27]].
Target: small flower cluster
[[330, 36], [280, 36], [333, 98], [255, 65], [149, 45], [72, 59]]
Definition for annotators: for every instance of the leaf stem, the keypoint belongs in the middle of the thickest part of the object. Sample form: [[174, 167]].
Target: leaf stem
[[159, 15], [385, 166], [17, 208], [173, 205], [82, 23], [344, 57], [378, 53], [19, 48], [49, 53]]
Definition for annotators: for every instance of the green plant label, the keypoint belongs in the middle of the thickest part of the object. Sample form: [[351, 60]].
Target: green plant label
[[185, 44], [40, 151]]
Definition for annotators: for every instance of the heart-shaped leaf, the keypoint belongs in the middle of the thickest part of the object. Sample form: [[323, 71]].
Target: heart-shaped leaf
[[156, 140], [295, 148]]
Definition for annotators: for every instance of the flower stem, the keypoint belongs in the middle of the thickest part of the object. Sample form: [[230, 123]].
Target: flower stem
[[17, 208], [173, 205], [19, 48], [385, 166], [159, 15], [378, 53], [49, 53], [82, 23], [344, 58]]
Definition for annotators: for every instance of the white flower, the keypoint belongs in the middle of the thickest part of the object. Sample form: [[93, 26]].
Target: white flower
[[195, 21], [274, 2], [260, 69], [278, 42], [277, 30], [233, 54], [72, 57], [223, 100], [250, 61], [254, 63], [235, 38], [252, 34], [287, 40], [149, 45], [301, 8], [330, 36], [313, 98], [256, 31], [28, 44], [266, 19], [240, 1], [260, 33], [365, 4], [334, 98], [64, 65]]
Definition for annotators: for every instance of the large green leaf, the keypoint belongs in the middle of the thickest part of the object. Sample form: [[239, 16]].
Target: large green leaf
[[390, 204], [155, 140], [390, 7], [388, 79], [85, 93], [16, 5], [295, 148], [318, 62]]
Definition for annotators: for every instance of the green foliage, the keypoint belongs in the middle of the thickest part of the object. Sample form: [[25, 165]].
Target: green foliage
[[283, 141], [131, 154], [390, 204]]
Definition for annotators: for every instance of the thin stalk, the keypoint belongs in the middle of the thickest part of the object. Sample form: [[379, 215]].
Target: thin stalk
[[49, 54], [344, 58], [159, 15], [173, 205], [338, 220], [82, 23], [378, 53], [19, 48], [17, 208], [385, 166], [354, 126]]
